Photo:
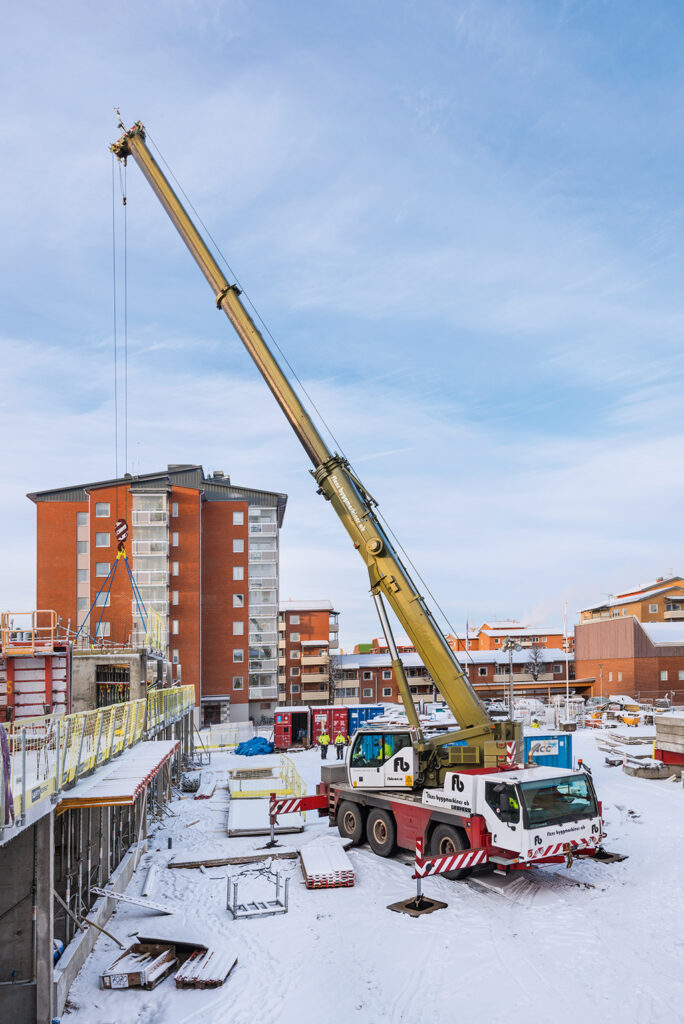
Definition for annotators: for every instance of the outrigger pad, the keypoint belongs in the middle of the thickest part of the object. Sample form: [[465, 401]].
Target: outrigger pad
[[604, 857], [417, 907]]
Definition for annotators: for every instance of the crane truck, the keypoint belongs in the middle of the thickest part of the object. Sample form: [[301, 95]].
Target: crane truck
[[461, 794]]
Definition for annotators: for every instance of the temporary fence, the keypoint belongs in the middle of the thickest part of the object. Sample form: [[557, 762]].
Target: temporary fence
[[288, 783], [51, 752], [228, 736]]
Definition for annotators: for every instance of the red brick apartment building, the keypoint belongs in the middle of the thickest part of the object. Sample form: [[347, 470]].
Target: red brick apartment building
[[204, 554], [660, 601], [307, 634], [488, 672], [626, 656]]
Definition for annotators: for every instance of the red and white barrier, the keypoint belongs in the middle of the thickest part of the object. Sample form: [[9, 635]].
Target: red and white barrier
[[290, 804], [558, 849], [511, 750], [447, 862]]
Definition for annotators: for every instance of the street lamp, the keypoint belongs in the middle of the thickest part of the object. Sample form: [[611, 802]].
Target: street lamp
[[510, 644], [601, 679]]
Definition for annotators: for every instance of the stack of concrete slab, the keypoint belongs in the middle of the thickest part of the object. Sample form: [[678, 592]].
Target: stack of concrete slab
[[670, 739], [326, 865]]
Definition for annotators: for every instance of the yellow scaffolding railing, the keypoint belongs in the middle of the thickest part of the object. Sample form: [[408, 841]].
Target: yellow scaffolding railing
[[52, 752], [288, 783]]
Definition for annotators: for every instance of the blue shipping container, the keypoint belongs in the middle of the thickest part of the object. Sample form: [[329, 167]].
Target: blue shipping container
[[553, 751], [362, 713]]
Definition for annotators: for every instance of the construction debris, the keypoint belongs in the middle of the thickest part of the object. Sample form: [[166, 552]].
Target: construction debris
[[205, 968], [325, 864], [190, 783], [258, 908], [157, 908], [207, 786], [252, 773], [217, 862], [142, 965]]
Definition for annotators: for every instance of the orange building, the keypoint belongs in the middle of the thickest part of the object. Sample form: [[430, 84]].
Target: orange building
[[307, 634], [204, 556], [491, 636], [660, 601]]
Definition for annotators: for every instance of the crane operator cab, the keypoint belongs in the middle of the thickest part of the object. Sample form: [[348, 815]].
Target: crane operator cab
[[382, 759]]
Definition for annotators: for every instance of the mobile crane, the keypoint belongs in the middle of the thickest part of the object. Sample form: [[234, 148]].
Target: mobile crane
[[401, 783]]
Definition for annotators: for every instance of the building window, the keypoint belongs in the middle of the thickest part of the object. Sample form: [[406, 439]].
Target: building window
[[295, 654], [102, 629], [81, 575], [82, 547], [102, 510], [610, 677], [174, 509], [238, 545], [663, 675], [367, 675], [294, 620], [238, 600], [102, 600], [238, 682], [174, 568], [624, 611], [101, 540], [238, 572], [174, 655], [238, 518], [294, 672], [294, 638], [175, 624], [174, 597], [616, 613], [238, 654], [680, 674], [101, 569], [482, 670], [174, 540], [387, 691], [82, 604], [295, 688], [367, 692], [557, 669], [543, 639], [653, 608], [81, 518], [386, 675], [238, 629], [619, 677]]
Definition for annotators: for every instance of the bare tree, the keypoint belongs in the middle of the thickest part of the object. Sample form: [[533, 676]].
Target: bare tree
[[535, 663]]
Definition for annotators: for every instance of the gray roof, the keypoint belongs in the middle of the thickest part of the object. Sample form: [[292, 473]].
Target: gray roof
[[356, 661], [214, 488]]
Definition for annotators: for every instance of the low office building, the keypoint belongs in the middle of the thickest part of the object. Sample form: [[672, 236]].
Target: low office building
[[626, 656]]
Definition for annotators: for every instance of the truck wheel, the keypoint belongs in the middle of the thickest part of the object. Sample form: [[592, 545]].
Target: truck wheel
[[350, 822], [382, 833], [446, 840]]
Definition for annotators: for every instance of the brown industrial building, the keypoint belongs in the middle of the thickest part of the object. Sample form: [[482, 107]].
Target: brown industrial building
[[626, 656]]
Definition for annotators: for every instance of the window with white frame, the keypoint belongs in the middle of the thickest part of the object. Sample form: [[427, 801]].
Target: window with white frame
[[482, 670], [386, 674], [294, 638], [102, 510], [82, 575], [238, 682], [102, 629], [294, 620], [174, 655], [238, 545], [367, 675], [102, 600], [101, 540], [174, 540], [238, 518], [680, 673], [174, 509], [663, 675], [387, 691], [557, 669], [81, 518], [295, 688], [175, 626], [367, 691], [174, 597], [295, 654], [238, 654], [238, 572], [653, 608], [82, 604], [238, 600], [610, 677], [175, 568], [102, 568], [294, 671], [82, 547], [238, 629], [619, 677]]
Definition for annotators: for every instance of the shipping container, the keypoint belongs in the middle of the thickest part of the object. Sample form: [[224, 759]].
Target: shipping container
[[552, 751], [362, 713], [291, 728], [329, 718]]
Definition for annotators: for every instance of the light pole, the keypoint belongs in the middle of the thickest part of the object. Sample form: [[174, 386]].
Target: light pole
[[510, 645], [601, 679]]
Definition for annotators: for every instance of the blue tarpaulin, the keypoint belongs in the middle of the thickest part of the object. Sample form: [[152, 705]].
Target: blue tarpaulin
[[257, 745]]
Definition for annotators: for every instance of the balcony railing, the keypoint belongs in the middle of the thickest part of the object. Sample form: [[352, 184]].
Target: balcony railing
[[151, 577], [150, 517], [674, 613], [314, 677], [263, 529], [263, 692], [321, 694], [315, 659], [150, 547]]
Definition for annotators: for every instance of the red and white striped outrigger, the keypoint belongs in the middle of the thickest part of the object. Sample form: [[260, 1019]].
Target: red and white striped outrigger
[[560, 849], [425, 866]]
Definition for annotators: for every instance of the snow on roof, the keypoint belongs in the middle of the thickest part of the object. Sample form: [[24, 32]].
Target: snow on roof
[[356, 661], [637, 595], [664, 632], [504, 624], [525, 631], [305, 606]]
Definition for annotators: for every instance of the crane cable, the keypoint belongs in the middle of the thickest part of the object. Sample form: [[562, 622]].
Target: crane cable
[[292, 370]]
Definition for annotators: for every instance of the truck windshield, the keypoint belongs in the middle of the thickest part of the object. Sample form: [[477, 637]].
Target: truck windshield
[[548, 801]]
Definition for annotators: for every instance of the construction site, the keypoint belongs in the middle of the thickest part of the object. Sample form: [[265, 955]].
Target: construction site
[[218, 801]]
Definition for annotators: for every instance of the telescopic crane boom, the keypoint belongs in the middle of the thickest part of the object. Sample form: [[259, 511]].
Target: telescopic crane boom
[[389, 577]]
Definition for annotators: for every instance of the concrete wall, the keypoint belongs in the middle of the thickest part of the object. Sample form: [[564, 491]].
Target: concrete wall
[[83, 688]]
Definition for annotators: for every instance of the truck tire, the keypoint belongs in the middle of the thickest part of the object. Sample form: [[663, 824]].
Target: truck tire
[[350, 822], [446, 840], [382, 832]]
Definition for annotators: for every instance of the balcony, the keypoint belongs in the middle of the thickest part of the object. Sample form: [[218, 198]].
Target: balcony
[[150, 517], [314, 677], [262, 529], [263, 692], [151, 577], [282, 643], [281, 626], [281, 662], [315, 659], [150, 547], [675, 614], [314, 695], [523, 677]]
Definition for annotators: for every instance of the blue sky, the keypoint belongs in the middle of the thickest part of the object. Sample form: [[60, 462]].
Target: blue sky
[[462, 222]]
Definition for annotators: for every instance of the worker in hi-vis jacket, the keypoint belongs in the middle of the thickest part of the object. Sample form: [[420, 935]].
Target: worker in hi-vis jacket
[[340, 741], [324, 742]]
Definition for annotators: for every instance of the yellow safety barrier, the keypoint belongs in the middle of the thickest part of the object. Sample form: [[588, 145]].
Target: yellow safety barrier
[[290, 784], [53, 751]]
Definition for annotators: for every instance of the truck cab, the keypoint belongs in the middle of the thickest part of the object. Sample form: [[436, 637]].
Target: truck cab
[[382, 759]]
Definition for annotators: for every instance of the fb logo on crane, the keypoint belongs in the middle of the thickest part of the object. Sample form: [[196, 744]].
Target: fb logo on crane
[[400, 765], [457, 783]]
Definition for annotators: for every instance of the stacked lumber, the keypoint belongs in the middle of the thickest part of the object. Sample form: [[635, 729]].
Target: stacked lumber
[[205, 968], [325, 864]]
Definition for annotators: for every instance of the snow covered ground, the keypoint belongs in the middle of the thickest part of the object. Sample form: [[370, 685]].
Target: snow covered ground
[[597, 943]]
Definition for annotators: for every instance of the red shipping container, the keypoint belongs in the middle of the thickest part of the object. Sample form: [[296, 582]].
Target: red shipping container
[[330, 719], [291, 728]]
